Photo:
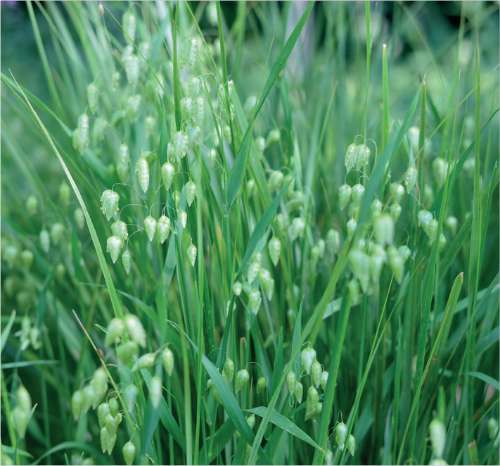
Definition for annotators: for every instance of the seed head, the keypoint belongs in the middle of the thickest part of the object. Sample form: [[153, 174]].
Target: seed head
[[135, 329], [155, 390], [103, 412], [21, 419], [119, 229], [129, 26], [32, 205], [79, 218], [228, 370], [142, 170], [340, 434], [345, 192], [351, 444], [191, 253], [109, 203], [437, 432], [167, 358], [316, 372], [291, 380], [242, 379], [440, 171], [360, 266], [384, 229], [261, 386], [126, 261], [146, 361], [307, 357], [237, 288], [410, 178], [163, 228], [127, 352], [167, 174], [76, 404], [297, 228], [299, 392], [190, 192], [45, 241], [324, 379], [254, 301], [150, 227], [312, 402], [113, 247], [128, 452], [115, 330], [275, 180], [451, 223]]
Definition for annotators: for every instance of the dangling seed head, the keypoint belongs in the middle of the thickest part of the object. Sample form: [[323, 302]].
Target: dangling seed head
[[351, 444], [191, 253], [115, 330], [150, 227], [291, 380], [142, 170], [128, 452], [299, 392], [237, 288], [384, 229], [135, 329], [242, 378], [167, 358], [167, 174], [340, 434], [228, 370], [163, 228], [114, 247], [297, 228], [254, 301], [345, 192], [119, 229], [324, 379], [307, 357], [316, 372], [437, 432], [155, 390], [127, 352], [126, 261], [274, 250], [76, 404], [109, 203], [190, 192], [146, 361]]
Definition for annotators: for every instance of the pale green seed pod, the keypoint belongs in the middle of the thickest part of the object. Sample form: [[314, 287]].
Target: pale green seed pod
[[274, 247], [32, 205], [332, 241], [260, 143], [126, 261], [351, 227], [77, 404], [311, 402], [363, 157], [397, 192], [45, 241], [60, 271], [142, 170], [275, 180], [351, 444], [438, 462], [316, 372], [404, 252], [155, 391], [273, 136], [324, 379], [146, 361], [129, 26], [261, 386], [253, 271], [21, 419], [190, 192], [383, 229], [296, 229], [113, 247], [102, 412], [410, 178], [376, 208], [345, 192], [340, 434], [79, 218], [56, 232], [119, 229], [130, 396], [122, 166], [150, 227], [108, 440], [64, 194], [163, 228], [167, 174], [267, 283], [115, 330], [291, 381], [424, 218], [81, 134], [396, 262], [354, 291], [440, 171], [89, 398], [360, 266], [237, 288], [299, 392], [307, 357], [110, 423], [242, 379], [395, 211], [27, 258], [251, 421], [351, 156], [329, 457], [377, 260], [114, 407], [128, 452], [109, 203], [167, 358], [127, 352], [92, 97], [437, 432], [23, 398], [100, 383], [431, 229], [254, 301], [191, 253], [183, 218], [135, 329], [492, 428], [228, 370], [452, 223]]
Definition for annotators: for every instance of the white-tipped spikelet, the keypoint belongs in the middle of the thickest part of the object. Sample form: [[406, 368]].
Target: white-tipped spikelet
[[291, 381], [146, 361], [254, 301], [360, 266], [275, 180], [316, 372], [183, 218], [437, 432], [397, 191], [126, 261], [341, 434], [242, 379], [167, 174], [135, 329], [324, 380], [167, 358], [163, 228], [150, 227], [142, 170], [109, 203], [296, 229], [384, 229], [114, 331], [345, 192], [113, 247], [81, 134], [274, 248], [307, 357], [351, 444], [119, 228], [128, 452], [237, 288], [440, 170], [190, 192], [191, 253], [129, 26]]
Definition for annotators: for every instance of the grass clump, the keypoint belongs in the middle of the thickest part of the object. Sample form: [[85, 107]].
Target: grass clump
[[251, 233]]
